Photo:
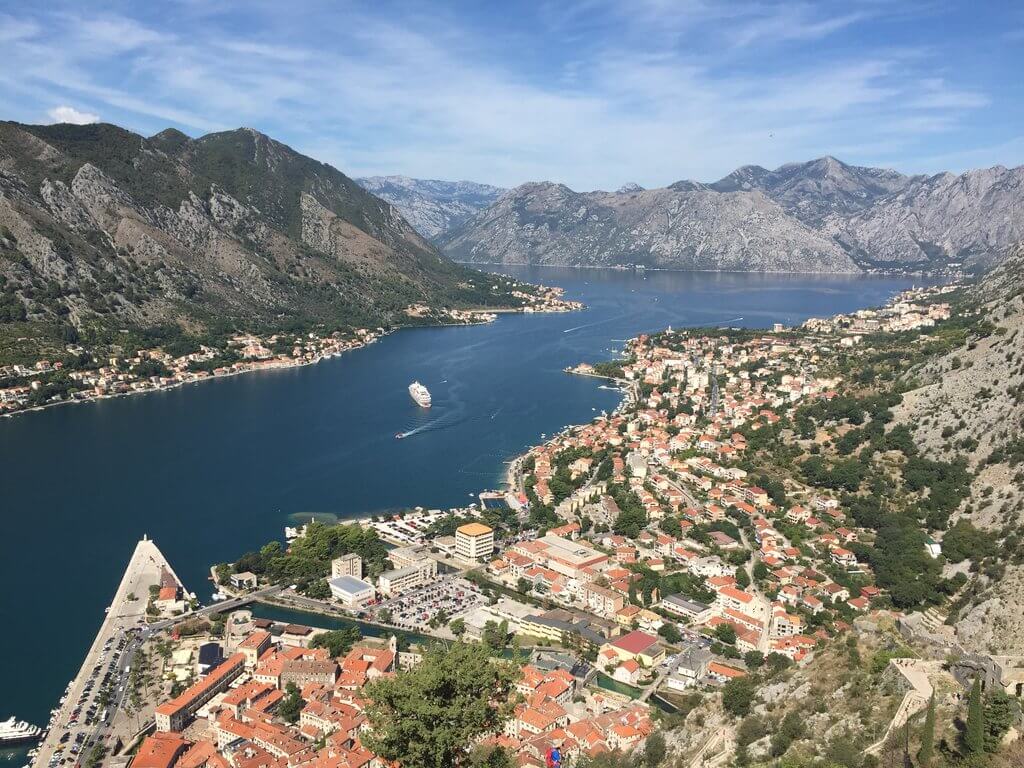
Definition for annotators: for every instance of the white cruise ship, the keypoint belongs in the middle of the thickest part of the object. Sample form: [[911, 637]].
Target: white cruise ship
[[18, 732], [420, 394]]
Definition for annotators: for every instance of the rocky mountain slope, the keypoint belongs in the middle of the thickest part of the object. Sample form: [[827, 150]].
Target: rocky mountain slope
[[685, 227], [819, 216], [970, 404], [812, 191], [101, 227], [431, 206], [969, 218]]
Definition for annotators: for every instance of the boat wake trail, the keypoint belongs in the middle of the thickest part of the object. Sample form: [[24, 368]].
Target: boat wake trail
[[591, 325], [444, 420]]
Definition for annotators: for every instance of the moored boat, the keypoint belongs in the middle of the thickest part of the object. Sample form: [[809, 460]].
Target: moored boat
[[18, 732]]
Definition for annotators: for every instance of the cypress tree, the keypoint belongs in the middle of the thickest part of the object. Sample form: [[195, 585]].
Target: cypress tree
[[927, 751], [974, 734]]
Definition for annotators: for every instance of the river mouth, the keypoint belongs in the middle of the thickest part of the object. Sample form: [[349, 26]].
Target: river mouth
[[217, 469]]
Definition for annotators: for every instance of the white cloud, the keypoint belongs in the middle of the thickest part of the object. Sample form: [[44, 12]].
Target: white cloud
[[66, 114]]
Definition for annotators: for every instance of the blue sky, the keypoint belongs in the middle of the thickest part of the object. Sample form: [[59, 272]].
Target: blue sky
[[593, 93]]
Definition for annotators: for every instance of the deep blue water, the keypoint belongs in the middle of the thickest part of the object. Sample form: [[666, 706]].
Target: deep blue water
[[217, 468]]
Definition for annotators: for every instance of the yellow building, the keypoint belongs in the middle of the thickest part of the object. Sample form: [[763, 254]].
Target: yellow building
[[474, 541]]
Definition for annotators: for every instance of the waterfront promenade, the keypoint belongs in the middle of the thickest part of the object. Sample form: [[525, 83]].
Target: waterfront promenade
[[111, 652]]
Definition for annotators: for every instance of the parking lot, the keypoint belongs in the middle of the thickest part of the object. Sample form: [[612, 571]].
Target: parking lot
[[409, 529], [414, 610], [97, 701]]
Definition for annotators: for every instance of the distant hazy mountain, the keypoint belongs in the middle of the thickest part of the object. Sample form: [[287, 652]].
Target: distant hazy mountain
[[689, 228], [432, 207], [819, 216]]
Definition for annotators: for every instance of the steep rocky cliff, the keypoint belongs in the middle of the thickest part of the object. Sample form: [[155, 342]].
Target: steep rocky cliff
[[684, 226], [102, 227], [970, 218]]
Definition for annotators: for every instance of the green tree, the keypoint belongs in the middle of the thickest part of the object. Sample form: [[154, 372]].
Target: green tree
[[738, 695], [654, 749], [488, 756], [753, 659], [291, 705], [337, 641], [927, 751], [495, 635], [790, 729], [726, 633], [524, 585], [427, 717], [1001, 711], [670, 632], [458, 627], [974, 732]]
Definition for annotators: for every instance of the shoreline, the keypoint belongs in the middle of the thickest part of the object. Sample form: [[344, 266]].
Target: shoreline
[[291, 364], [200, 380], [643, 268]]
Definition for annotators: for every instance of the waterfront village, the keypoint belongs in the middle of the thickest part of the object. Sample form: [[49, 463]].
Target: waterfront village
[[631, 563], [84, 376]]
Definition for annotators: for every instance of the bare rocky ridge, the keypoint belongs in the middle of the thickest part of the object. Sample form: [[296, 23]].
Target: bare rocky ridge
[[971, 403], [431, 206], [98, 224], [970, 218], [686, 228], [818, 216]]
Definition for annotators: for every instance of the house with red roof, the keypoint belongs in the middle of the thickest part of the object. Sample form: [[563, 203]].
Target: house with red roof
[[638, 646]]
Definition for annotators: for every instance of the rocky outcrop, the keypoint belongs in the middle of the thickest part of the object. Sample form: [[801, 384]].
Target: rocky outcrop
[[970, 218], [432, 207], [969, 403]]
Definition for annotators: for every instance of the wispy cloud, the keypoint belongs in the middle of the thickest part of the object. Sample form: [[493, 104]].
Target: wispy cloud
[[592, 93], [778, 24]]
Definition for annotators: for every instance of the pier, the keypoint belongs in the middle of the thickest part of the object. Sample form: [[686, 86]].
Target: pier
[[124, 629], [125, 619]]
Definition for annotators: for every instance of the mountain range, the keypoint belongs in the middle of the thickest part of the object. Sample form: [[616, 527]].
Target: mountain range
[[102, 227], [431, 206], [818, 216]]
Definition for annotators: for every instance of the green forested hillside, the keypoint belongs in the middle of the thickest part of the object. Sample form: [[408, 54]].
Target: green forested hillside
[[103, 230]]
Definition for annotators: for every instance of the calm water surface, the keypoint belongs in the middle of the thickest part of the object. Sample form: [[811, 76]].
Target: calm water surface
[[214, 469]]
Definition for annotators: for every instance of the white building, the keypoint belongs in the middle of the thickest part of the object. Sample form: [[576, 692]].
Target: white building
[[351, 592], [474, 541], [399, 580]]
